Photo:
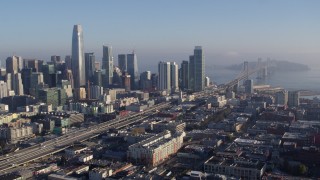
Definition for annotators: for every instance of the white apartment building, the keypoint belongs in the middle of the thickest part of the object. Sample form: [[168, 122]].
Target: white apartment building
[[155, 149]]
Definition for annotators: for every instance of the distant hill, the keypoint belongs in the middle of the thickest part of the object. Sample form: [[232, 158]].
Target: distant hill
[[274, 65]]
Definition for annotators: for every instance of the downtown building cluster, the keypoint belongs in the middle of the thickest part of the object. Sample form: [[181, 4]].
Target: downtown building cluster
[[81, 77]]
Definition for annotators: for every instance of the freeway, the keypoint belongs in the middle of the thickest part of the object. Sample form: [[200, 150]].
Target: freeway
[[60, 143]]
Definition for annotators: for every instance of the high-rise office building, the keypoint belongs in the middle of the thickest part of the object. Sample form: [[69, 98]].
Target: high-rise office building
[[164, 83], [191, 80], [12, 64], [3, 89], [54, 96], [281, 97], [78, 57], [50, 75], [154, 81], [174, 76], [107, 65], [55, 59], [145, 81], [90, 66], [248, 86], [35, 80], [33, 64], [9, 81], [17, 84], [97, 78], [122, 62], [126, 81], [132, 67], [68, 62], [184, 75], [117, 80], [293, 98], [199, 69], [26, 79]]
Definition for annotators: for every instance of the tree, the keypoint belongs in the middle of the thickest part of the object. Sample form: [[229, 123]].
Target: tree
[[302, 169]]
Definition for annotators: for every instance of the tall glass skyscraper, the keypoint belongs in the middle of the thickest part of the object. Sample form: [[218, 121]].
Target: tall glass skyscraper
[[78, 63], [132, 66], [122, 62], [107, 66], [184, 75], [90, 66], [197, 70]]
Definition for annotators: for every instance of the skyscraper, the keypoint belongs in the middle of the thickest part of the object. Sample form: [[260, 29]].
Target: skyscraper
[[191, 80], [199, 62], [107, 65], [3, 89], [97, 80], [34, 64], [126, 81], [12, 64], [55, 59], [154, 81], [26, 79], [90, 66], [35, 80], [17, 84], [164, 83], [132, 67], [122, 62], [293, 98], [248, 86], [145, 81], [78, 57], [68, 62], [281, 97], [174, 79], [184, 75]]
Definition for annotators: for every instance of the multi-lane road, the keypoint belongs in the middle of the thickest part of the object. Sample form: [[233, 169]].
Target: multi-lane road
[[55, 145]]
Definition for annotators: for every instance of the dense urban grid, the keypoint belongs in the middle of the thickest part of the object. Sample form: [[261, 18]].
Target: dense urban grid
[[79, 119]]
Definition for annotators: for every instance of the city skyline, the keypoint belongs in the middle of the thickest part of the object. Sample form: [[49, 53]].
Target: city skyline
[[229, 31]]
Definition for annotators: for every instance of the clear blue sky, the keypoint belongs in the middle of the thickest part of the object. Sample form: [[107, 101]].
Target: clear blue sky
[[229, 30]]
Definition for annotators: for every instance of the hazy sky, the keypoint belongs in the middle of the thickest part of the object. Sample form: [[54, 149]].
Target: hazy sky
[[229, 31]]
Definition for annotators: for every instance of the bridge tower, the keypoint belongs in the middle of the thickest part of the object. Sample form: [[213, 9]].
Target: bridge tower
[[260, 71]]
